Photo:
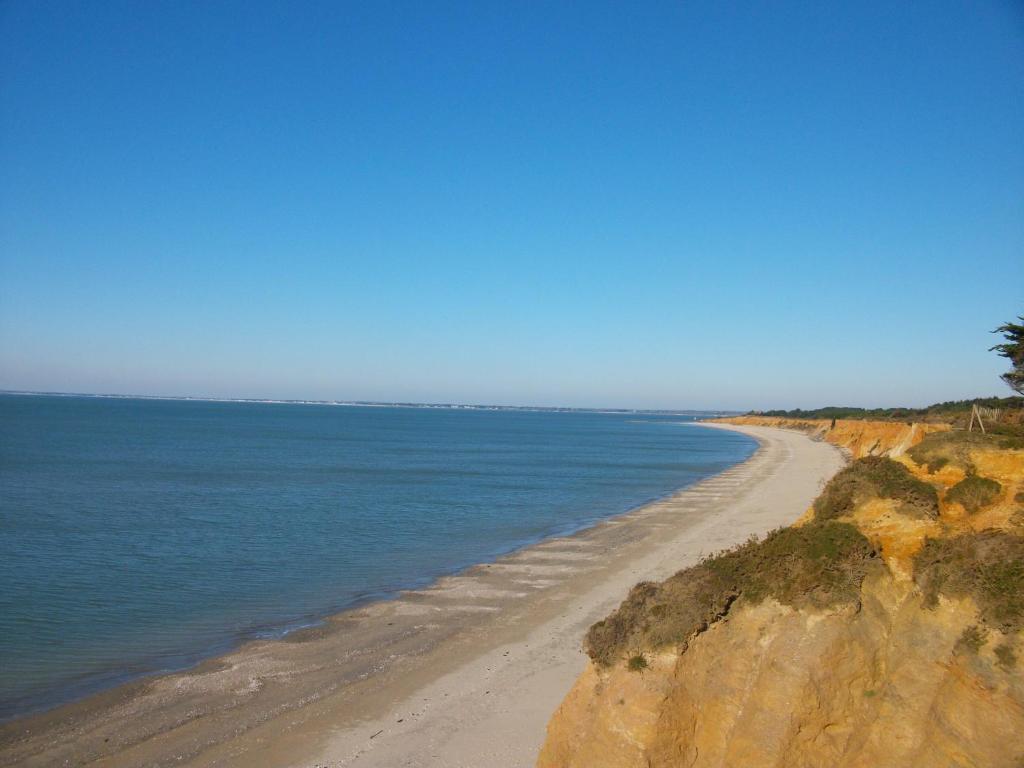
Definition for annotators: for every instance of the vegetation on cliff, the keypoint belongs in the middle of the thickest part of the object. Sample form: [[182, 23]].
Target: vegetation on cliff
[[823, 563], [876, 477], [938, 449], [817, 565], [986, 566], [974, 492]]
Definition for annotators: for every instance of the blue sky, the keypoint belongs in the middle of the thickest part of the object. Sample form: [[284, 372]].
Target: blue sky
[[687, 204]]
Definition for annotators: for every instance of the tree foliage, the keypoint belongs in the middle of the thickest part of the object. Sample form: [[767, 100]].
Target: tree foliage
[[1013, 350]]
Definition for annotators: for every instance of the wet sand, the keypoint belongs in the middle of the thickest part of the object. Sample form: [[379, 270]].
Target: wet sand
[[463, 673]]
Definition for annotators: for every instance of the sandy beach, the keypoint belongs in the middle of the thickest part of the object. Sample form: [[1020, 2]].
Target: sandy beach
[[466, 672]]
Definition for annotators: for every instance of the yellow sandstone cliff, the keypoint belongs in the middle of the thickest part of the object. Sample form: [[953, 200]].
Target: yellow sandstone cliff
[[909, 660]]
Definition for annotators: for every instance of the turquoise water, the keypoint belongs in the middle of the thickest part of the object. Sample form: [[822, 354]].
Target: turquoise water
[[139, 536]]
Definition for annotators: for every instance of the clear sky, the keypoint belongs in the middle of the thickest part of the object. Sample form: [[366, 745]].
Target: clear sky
[[680, 204]]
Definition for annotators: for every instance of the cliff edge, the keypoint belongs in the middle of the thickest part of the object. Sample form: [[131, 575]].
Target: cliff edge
[[882, 629]]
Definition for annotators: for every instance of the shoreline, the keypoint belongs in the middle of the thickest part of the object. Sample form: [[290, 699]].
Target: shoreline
[[99, 685], [316, 695]]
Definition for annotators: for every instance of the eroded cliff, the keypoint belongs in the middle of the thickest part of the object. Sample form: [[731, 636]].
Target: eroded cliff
[[883, 629]]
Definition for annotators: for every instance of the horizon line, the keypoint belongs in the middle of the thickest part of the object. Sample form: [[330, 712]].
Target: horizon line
[[373, 403]]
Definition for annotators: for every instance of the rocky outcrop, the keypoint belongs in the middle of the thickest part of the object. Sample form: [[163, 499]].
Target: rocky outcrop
[[919, 670]]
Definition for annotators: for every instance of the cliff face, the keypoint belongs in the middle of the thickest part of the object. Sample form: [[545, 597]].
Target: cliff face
[[860, 438], [919, 668]]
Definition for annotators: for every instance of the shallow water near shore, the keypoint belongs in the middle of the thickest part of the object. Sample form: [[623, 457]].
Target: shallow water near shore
[[143, 535]]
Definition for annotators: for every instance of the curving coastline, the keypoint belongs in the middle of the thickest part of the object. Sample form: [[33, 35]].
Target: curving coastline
[[177, 531], [465, 671]]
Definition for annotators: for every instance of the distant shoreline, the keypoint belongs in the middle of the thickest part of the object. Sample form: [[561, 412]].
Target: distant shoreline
[[377, 404]]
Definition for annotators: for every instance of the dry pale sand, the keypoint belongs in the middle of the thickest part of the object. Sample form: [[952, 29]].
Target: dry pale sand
[[464, 673]]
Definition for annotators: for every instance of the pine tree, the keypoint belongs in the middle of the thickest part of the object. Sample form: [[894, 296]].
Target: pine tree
[[1013, 350]]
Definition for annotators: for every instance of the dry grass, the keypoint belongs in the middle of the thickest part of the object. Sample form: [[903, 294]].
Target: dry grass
[[876, 477], [817, 565], [941, 448], [972, 639]]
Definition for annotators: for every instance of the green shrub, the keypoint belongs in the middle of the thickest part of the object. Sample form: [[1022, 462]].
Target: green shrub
[[986, 566], [637, 663], [876, 477], [821, 564], [974, 492]]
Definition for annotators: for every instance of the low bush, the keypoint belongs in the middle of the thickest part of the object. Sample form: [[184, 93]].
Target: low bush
[[974, 492], [1006, 656], [876, 477], [820, 564], [986, 566], [972, 639], [637, 663]]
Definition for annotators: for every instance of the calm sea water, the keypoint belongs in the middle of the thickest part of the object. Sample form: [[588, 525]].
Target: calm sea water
[[140, 535]]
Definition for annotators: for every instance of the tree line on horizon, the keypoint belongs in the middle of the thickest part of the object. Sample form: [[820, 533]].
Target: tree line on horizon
[[1012, 348]]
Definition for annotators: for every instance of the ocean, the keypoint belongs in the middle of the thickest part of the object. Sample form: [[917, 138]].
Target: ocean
[[139, 536]]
